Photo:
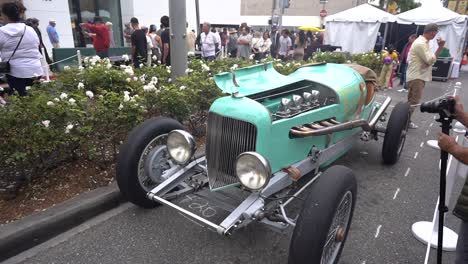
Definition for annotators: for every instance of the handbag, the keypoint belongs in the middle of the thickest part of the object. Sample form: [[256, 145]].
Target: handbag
[[5, 65]]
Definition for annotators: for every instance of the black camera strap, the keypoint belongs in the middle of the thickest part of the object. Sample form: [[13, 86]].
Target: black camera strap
[[21, 39]]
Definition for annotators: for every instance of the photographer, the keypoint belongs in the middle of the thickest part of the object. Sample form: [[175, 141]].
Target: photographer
[[449, 144]]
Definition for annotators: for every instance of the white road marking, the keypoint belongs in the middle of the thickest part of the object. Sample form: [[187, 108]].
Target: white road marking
[[422, 144], [378, 231], [407, 172], [396, 193], [435, 117], [431, 124], [364, 262], [427, 133], [416, 155]]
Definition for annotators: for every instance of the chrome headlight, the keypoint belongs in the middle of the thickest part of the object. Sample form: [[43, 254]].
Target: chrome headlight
[[253, 170], [180, 146]]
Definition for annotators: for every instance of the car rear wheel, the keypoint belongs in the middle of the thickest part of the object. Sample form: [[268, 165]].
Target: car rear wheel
[[395, 135], [143, 159], [325, 218]]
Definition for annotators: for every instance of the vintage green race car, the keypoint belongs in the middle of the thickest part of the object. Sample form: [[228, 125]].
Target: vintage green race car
[[270, 139]]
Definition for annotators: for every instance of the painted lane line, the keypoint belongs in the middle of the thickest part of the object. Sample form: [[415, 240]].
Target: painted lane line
[[396, 193], [416, 155], [378, 231], [422, 145], [427, 133], [407, 172], [431, 124], [364, 262]]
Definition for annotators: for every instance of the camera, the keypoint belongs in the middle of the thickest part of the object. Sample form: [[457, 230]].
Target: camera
[[443, 106]]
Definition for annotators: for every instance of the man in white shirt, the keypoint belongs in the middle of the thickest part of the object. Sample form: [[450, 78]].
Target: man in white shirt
[[208, 41], [285, 45]]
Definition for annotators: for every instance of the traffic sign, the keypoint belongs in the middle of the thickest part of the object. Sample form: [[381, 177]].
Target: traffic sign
[[323, 13]]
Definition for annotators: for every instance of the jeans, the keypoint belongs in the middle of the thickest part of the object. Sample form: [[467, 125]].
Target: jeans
[[103, 54], [19, 84], [404, 66], [209, 58], [462, 244]]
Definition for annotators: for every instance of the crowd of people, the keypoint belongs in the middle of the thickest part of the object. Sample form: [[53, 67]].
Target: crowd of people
[[249, 44]]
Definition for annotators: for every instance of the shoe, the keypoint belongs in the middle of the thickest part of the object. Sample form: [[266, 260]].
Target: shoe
[[412, 125], [401, 90], [390, 87]]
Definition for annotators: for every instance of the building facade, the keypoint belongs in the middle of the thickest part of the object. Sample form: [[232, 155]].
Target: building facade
[[70, 13]]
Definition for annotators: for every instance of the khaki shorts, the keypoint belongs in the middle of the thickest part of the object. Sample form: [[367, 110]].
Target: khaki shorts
[[415, 90]]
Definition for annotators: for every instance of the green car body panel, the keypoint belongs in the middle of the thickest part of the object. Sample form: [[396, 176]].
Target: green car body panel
[[273, 136]]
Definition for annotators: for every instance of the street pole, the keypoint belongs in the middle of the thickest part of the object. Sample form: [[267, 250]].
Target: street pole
[[178, 31], [197, 11]]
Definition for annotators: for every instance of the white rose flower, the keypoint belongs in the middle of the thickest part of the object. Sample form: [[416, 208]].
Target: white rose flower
[[169, 80], [288, 64], [80, 85], [159, 62], [56, 99], [1, 89], [121, 106], [28, 88], [125, 57], [154, 57], [109, 66], [129, 71], [50, 103], [182, 88], [135, 79], [191, 53], [101, 96], [66, 68], [63, 96], [68, 128], [252, 56], [129, 80], [154, 80], [72, 101], [80, 68], [148, 88], [126, 98], [279, 65], [89, 94], [205, 67], [46, 123]]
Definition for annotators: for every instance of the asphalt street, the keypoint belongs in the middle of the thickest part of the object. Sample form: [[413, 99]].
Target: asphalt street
[[390, 200]]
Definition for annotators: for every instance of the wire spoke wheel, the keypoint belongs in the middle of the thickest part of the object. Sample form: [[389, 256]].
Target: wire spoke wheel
[[337, 231]]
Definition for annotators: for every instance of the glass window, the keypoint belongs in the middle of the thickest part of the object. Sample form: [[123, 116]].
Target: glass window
[[83, 11]]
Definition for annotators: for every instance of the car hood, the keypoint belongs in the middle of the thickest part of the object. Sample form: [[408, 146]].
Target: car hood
[[262, 77]]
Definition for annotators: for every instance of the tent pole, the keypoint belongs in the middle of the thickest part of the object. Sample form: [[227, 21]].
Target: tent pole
[[417, 29], [385, 36]]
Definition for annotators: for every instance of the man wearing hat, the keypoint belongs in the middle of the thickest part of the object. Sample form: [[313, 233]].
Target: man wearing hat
[[420, 61], [52, 33], [232, 43]]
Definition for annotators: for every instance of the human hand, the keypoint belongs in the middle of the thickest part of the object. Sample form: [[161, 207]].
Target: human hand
[[459, 111], [447, 143], [441, 42]]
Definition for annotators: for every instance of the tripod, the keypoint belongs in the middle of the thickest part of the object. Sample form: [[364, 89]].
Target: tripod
[[446, 124]]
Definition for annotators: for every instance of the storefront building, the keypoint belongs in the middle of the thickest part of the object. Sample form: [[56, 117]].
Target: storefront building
[[68, 14]]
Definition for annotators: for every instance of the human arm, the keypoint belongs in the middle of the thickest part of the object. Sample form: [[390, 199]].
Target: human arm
[[423, 52], [448, 144], [460, 113], [89, 26]]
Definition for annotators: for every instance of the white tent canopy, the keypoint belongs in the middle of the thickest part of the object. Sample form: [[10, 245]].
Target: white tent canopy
[[356, 29], [452, 26]]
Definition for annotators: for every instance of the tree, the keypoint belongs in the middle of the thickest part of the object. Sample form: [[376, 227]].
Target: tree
[[403, 5]]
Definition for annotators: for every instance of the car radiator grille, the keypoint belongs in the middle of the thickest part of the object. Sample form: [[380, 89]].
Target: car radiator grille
[[226, 138]]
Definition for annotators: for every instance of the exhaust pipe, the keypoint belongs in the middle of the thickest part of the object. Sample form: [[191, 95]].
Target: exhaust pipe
[[313, 129]]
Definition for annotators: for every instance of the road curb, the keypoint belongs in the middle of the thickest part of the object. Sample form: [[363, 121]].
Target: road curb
[[34, 229]]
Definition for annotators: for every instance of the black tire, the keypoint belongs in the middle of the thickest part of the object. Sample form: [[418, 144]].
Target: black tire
[[130, 154], [395, 135], [318, 213]]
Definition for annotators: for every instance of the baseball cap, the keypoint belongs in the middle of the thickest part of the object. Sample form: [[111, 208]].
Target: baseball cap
[[51, 20]]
